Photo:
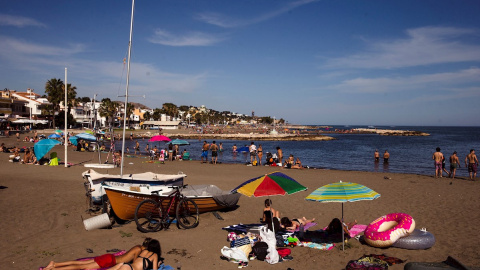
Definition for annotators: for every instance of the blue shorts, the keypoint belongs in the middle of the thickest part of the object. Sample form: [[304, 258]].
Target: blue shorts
[[204, 153]]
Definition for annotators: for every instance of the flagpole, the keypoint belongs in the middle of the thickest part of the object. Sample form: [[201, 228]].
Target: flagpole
[[66, 124]]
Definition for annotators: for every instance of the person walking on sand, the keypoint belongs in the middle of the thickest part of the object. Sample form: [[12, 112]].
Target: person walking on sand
[[386, 156], [438, 157], [214, 149], [471, 162], [454, 164], [205, 151], [377, 155]]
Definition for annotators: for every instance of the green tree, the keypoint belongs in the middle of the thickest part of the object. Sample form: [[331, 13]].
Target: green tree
[[129, 112], [108, 109], [54, 91], [146, 116], [157, 114], [170, 109]]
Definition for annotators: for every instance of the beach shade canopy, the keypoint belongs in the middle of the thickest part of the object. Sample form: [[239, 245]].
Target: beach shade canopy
[[89, 132], [179, 142], [243, 149], [58, 131], [159, 138], [86, 137], [73, 140], [275, 183], [54, 136], [342, 192], [42, 147]]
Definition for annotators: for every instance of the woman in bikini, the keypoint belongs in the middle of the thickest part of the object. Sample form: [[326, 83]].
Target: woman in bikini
[[260, 154], [270, 216], [148, 258], [293, 224], [103, 261]]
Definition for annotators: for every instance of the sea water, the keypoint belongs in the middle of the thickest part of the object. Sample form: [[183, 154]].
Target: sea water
[[355, 151]]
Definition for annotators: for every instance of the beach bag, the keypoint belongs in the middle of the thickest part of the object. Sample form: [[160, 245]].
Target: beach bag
[[260, 250], [282, 252], [240, 242]]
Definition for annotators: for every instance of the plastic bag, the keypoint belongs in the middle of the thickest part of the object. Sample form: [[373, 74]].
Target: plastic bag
[[269, 237], [234, 254]]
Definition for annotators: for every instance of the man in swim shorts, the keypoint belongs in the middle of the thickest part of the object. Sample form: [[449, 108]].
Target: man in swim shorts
[[386, 156], [471, 162], [454, 164], [214, 149], [377, 155], [205, 151], [438, 157]]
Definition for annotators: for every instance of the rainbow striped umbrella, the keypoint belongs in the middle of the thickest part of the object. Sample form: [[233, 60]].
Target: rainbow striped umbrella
[[342, 192], [275, 183]]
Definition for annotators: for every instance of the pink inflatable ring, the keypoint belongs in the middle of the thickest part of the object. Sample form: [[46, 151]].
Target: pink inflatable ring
[[384, 231]]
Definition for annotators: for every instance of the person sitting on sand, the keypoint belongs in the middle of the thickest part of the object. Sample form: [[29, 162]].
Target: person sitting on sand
[[334, 228], [28, 157], [270, 216], [148, 258], [289, 162], [298, 164], [295, 223], [103, 261]]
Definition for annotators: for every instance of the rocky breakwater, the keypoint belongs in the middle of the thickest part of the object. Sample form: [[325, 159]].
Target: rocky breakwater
[[391, 132], [253, 137]]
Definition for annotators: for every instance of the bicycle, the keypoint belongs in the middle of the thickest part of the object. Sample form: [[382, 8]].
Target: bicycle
[[153, 215]]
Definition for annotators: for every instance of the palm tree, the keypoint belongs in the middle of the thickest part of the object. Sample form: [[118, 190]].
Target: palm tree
[[54, 90], [129, 112], [71, 97], [147, 115], [108, 109]]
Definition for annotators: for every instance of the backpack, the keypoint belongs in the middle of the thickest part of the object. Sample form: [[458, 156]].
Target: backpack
[[260, 249]]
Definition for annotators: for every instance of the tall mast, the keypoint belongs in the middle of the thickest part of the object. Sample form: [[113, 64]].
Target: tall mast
[[126, 90]]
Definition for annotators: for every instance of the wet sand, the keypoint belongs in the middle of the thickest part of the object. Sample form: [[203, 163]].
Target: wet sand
[[41, 210]]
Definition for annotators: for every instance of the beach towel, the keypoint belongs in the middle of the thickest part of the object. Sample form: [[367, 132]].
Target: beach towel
[[321, 246], [242, 228], [306, 227]]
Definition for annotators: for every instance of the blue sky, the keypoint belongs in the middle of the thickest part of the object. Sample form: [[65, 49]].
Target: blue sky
[[310, 62]]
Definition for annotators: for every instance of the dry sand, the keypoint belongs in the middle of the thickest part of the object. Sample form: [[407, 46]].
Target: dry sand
[[41, 209]]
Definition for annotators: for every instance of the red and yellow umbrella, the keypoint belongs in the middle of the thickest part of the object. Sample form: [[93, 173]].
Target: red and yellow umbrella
[[275, 183]]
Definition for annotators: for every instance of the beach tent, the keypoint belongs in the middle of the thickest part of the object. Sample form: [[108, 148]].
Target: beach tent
[[42, 147], [73, 140]]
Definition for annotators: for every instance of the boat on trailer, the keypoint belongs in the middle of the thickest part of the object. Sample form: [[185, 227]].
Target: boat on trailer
[[124, 200]]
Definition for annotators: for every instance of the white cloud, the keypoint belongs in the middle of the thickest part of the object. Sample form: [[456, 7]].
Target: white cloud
[[228, 22], [19, 21], [190, 39], [422, 46], [423, 82], [12, 46]]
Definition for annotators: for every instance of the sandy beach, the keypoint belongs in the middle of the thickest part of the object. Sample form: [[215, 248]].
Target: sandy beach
[[41, 208]]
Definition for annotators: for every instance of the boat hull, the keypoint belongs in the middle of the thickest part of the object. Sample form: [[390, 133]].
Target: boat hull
[[124, 202]]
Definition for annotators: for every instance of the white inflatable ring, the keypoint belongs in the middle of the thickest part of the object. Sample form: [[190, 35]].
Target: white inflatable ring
[[384, 231]]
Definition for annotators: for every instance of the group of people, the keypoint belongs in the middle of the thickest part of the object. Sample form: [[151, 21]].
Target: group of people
[[139, 257], [471, 163], [386, 156], [271, 218], [214, 148]]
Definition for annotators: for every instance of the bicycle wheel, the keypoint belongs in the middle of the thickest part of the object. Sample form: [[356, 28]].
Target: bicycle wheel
[[148, 216], [187, 214]]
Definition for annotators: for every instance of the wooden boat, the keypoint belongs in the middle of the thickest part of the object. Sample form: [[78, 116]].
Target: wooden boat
[[124, 200], [95, 182]]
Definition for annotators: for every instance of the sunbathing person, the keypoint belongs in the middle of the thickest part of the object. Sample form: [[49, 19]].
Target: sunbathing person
[[295, 223], [148, 258], [103, 261], [334, 228], [297, 165]]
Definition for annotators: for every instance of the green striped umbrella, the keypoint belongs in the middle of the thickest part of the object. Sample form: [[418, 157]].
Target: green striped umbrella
[[342, 192]]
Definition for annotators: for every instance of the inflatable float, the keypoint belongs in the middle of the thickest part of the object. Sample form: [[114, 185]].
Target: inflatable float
[[386, 230], [418, 239]]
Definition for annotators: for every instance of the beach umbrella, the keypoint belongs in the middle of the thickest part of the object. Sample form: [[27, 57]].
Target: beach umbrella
[[59, 131], [179, 142], [73, 140], [159, 138], [86, 137], [342, 192], [54, 136], [43, 146], [275, 183]]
